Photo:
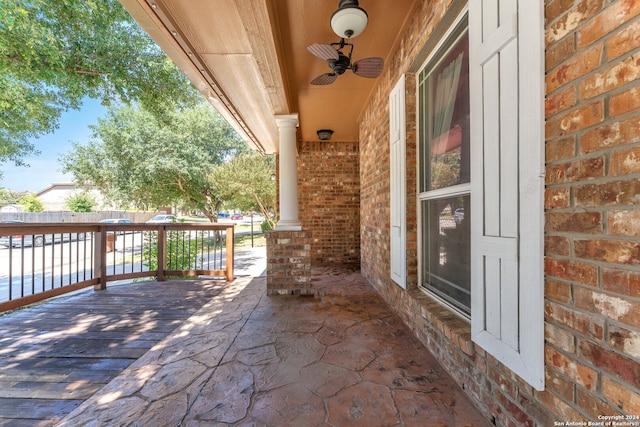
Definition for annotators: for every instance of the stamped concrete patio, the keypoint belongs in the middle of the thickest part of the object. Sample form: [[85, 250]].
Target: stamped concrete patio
[[341, 358]]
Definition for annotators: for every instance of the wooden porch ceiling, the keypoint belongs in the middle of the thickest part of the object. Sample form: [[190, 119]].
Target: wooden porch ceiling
[[249, 59]]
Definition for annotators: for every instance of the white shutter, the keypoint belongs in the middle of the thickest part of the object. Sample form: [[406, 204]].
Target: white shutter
[[507, 118], [398, 229]]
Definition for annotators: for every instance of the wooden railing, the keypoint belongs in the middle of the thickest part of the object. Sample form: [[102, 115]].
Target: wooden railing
[[47, 260]]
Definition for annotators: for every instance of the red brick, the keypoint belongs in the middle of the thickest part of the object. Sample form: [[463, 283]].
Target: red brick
[[624, 223], [329, 197], [621, 396], [577, 119], [572, 368], [609, 20], [625, 162], [571, 270], [502, 382], [557, 291], [576, 171], [559, 52], [567, 22], [559, 407], [560, 338], [522, 419], [619, 366], [559, 385], [560, 149], [556, 245], [580, 222], [610, 135], [624, 41], [627, 101], [585, 324], [608, 194], [560, 101], [609, 306], [593, 405], [624, 340], [613, 251], [623, 282], [613, 77], [555, 8], [557, 198], [578, 66]]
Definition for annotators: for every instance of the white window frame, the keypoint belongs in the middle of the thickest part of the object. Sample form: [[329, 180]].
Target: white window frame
[[456, 190]]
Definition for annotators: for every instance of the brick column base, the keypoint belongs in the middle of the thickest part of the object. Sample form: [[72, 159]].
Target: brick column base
[[289, 263]]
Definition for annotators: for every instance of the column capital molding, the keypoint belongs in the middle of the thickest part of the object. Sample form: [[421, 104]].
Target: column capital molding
[[288, 120]]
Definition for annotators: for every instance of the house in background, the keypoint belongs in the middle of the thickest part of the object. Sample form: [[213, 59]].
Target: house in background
[[486, 181], [55, 196]]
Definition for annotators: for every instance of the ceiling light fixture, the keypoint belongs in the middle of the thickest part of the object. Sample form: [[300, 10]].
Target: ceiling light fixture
[[324, 134], [349, 20]]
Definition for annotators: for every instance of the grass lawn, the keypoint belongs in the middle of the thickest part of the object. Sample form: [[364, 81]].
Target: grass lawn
[[244, 241]]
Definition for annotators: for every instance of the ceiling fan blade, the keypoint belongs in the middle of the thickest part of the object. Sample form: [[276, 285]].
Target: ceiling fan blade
[[323, 51], [368, 67], [325, 79]]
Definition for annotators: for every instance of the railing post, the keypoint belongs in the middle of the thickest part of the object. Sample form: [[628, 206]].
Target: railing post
[[162, 254], [100, 259], [230, 255]]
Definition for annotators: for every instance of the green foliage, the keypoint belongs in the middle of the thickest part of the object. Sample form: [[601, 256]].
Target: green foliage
[[266, 226], [30, 203], [246, 184], [445, 169], [55, 53], [9, 197], [81, 202], [181, 252], [134, 158]]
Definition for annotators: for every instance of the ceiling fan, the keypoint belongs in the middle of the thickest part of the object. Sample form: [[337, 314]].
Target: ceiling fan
[[340, 62]]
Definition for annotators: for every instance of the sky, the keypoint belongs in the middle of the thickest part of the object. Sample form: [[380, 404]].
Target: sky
[[44, 168]]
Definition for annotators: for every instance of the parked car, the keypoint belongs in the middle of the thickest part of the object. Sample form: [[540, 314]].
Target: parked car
[[118, 221], [18, 240], [162, 218], [236, 216]]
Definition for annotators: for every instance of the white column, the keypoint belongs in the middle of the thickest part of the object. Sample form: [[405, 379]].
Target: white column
[[288, 174]]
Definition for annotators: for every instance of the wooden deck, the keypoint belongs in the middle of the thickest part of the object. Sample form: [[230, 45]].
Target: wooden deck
[[56, 354]]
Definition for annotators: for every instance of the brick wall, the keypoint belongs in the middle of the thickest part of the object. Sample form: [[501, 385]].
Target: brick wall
[[592, 197], [592, 227], [289, 263], [329, 199]]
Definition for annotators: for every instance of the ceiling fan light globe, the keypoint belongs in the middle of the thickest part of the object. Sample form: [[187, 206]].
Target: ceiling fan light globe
[[349, 21]]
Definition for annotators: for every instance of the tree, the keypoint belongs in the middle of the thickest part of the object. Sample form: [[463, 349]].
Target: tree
[[133, 157], [245, 182], [55, 53], [9, 197], [31, 203], [81, 202]]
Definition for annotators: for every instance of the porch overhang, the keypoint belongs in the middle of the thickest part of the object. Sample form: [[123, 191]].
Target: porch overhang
[[249, 59]]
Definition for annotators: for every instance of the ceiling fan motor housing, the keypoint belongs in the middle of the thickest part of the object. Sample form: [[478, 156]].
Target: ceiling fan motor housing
[[340, 65]]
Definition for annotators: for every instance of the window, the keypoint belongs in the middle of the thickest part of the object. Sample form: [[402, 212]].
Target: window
[[444, 144], [481, 178]]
